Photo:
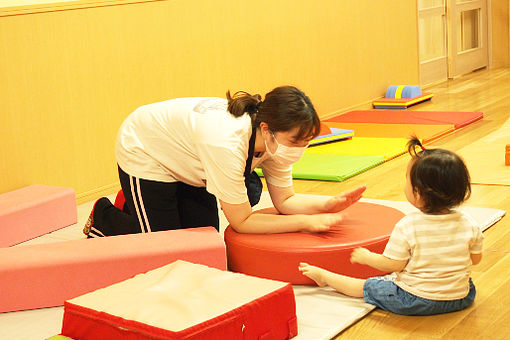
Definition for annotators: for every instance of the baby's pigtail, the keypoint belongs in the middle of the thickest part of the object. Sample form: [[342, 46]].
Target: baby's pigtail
[[411, 146]]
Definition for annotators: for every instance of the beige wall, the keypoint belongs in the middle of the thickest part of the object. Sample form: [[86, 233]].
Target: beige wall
[[70, 77]]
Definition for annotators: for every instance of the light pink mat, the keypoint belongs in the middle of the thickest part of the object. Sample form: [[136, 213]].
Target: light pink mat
[[33, 211]]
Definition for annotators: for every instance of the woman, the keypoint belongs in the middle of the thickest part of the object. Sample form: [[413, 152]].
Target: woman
[[176, 157]]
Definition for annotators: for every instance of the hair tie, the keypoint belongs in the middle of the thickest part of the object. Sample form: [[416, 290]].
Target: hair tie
[[422, 147]]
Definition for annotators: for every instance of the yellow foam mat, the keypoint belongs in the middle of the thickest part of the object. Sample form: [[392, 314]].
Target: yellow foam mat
[[363, 146]]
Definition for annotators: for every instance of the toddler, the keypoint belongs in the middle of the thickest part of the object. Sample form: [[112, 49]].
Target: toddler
[[430, 252]]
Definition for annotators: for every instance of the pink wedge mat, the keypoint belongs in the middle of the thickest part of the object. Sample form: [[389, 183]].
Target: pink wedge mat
[[45, 275], [33, 211], [458, 119]]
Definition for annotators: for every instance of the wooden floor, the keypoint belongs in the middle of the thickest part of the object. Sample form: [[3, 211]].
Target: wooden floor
[[489, 317]]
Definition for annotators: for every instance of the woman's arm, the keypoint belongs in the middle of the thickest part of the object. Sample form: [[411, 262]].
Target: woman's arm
[[286, 202], [243, 220]]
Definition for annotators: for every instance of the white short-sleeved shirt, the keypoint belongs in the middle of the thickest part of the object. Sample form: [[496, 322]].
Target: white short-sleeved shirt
[[195, 141], [438, 248]]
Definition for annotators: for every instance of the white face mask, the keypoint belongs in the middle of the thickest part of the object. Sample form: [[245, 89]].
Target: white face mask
[[286, 155]]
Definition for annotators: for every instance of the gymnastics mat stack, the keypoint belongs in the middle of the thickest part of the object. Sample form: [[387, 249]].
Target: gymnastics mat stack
[[45, 275], [379, 135], [184, 301], [401, 97]]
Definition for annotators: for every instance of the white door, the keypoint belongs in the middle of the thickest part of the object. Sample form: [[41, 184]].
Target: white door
[[467, 38], [452, 38], [432, 41]]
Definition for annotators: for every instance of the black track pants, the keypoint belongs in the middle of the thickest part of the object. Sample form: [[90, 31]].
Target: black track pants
[[156, 206]]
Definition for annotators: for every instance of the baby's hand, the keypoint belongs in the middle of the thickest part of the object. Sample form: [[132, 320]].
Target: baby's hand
[[360, 255]]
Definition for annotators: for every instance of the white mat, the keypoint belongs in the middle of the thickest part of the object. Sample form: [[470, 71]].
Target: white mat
[[322, 313]]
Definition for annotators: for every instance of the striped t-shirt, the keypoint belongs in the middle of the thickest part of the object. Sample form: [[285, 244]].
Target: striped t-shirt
[[438, 248]]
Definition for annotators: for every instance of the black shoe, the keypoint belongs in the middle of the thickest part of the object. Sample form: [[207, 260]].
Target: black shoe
[[92, 227]]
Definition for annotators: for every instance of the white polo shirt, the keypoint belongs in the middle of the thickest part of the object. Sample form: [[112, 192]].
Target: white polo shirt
[[195, 141], [439, 249]]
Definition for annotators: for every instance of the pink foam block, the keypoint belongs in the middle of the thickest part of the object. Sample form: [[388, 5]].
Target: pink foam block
[[34, 211], [45, 275]]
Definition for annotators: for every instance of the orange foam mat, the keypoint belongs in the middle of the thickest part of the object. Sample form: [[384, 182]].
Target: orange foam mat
[[426, 132], [184, 301], [45, 275], [458, 119], [35, 210], [277, 256]]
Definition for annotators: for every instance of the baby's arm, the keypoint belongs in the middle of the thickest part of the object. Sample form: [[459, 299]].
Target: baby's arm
[[377, 261]]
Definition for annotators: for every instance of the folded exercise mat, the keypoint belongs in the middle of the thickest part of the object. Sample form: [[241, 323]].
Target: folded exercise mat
[[333, 135], [34, 211], [485, 158], [458, 119], [400, 103], [45, 275], [277, 256], [184, 301], [363, 146], [426, 132]]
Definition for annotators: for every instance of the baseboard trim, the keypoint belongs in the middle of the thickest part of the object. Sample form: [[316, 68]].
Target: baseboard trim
[[94, 194]]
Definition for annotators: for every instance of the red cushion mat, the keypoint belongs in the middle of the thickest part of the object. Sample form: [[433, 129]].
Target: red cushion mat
[[276, 256], [458, 119], [426, 132], [184, 301]]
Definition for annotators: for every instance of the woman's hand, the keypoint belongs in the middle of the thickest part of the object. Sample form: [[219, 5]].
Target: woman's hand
[[343, 200], [322, 222]]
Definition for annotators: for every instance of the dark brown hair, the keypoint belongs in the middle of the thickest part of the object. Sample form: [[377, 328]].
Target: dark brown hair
[[439, 176], [283, 109]]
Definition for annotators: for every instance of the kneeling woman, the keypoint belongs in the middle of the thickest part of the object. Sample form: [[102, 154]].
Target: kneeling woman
[[176, 157]]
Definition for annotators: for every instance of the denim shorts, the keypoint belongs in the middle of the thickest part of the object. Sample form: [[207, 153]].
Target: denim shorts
[[384, 293]]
